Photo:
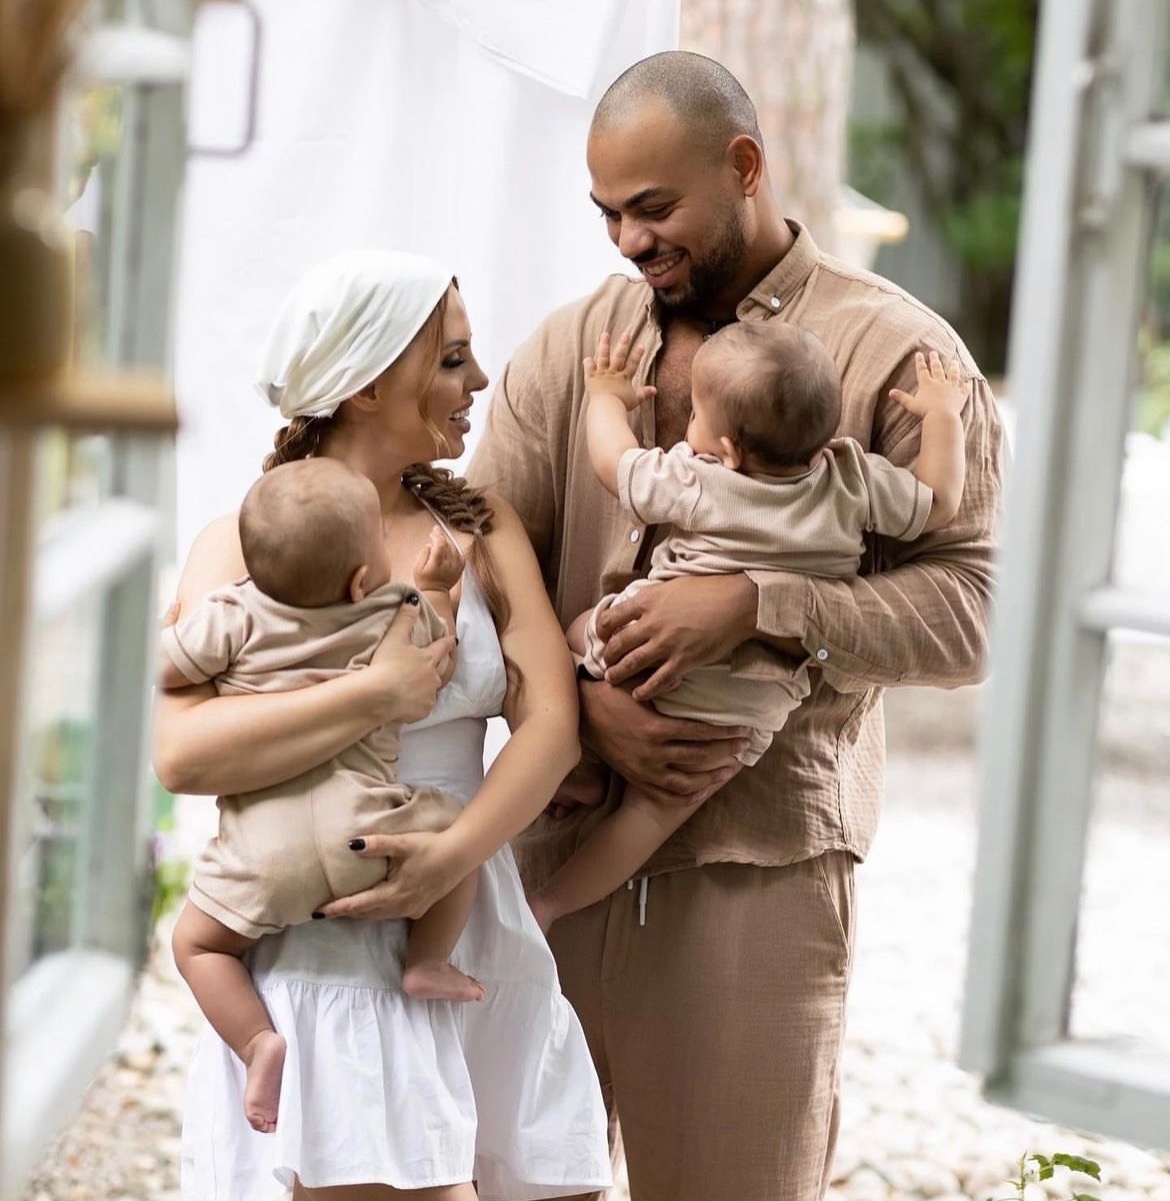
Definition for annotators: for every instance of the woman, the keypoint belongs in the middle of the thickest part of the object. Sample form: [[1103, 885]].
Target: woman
[[382, 1096]]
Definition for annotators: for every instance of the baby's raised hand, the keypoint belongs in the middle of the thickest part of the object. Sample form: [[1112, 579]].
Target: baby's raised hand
[[941, 387], [610, 371], [439, 564]]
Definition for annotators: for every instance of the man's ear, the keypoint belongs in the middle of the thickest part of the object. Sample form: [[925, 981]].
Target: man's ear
[[357, 583], [730, 453], [747, 160]]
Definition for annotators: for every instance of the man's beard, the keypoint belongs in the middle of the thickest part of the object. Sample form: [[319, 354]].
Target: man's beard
[[709, 279]]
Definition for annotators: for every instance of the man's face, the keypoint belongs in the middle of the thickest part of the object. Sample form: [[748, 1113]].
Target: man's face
[[671, 207]]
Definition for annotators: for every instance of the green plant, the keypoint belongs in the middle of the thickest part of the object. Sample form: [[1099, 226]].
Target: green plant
[[960, 76], [1036, 1168], [170, 886]]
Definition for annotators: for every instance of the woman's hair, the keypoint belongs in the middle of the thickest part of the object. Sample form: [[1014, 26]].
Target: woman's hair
[[461, 506]]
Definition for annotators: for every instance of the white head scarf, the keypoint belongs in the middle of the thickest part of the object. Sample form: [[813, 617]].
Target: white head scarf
[[343, 324]]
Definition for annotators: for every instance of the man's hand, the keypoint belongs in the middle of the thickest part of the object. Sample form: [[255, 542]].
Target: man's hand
[[672, 760], [587, 784], [673, 627]]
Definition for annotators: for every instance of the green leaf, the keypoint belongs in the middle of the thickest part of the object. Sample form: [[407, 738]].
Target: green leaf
[[1085, 1197], [1077, 1163]]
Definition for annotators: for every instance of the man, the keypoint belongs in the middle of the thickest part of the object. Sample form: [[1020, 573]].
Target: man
[[713, 991]]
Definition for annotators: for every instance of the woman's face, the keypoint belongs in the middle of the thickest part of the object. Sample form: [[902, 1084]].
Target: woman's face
[[417, 389]]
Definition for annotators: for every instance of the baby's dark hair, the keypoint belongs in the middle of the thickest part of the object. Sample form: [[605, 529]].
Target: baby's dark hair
[[779, 390], [304, 530]]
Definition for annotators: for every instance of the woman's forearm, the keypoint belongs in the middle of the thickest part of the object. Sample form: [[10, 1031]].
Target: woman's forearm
[[233, 744], [521, 781]]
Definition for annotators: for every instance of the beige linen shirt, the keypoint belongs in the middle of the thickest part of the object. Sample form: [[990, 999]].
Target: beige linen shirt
[[917, 614]]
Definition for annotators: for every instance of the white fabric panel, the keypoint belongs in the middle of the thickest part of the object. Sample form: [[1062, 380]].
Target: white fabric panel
[[574, 46], [385, 123]]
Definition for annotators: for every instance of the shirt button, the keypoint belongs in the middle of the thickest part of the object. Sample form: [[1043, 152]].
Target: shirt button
[[635, 535], [775, 302], [822, 655]]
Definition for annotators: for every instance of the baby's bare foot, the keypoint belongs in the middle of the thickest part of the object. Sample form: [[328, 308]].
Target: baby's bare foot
[[440, 982], [264, 1059]]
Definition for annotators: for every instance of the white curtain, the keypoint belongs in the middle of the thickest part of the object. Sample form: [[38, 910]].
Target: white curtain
[[450, 127]]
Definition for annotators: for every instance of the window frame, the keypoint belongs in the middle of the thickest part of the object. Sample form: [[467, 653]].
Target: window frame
[[1094, 163], [61, 1017]]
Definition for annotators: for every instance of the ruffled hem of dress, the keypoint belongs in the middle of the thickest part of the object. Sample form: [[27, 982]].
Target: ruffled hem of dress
[[382, 1088]]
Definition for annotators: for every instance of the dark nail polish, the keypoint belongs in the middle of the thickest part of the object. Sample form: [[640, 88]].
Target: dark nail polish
[[318, 917], [356, 844]]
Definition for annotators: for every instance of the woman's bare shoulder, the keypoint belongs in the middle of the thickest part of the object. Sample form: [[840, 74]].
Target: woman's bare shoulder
[[215, 558]]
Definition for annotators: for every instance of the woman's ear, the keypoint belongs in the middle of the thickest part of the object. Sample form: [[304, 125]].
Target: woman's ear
[[730, 454], [357, 583], [365, 398]]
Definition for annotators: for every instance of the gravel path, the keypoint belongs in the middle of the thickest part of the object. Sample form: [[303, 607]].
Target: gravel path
[[914, 1125]]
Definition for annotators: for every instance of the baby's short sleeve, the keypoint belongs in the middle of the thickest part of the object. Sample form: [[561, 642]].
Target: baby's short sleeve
[[657, 485], [208, 641], [899, 503]]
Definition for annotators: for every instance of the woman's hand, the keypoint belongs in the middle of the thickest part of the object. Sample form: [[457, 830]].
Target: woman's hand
[[673, 760], [408, 677], [423, 868]]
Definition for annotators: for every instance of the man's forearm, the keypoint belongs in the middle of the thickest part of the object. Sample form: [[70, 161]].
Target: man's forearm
[[923, 623]]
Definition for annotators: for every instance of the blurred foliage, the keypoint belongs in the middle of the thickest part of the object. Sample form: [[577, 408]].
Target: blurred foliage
[[1153, 406], [1153, 402], [961, 75]]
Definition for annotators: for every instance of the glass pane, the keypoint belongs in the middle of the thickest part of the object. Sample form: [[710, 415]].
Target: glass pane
[[92, 142], [55, 804], [1123, 945], [1143, 533], [75, 470]]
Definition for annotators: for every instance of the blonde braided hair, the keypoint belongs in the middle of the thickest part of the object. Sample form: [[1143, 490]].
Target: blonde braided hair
[[466, 509], [300, 439]]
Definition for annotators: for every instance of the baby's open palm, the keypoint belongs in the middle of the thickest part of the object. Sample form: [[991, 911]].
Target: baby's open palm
[[941, 387], [611, 370]]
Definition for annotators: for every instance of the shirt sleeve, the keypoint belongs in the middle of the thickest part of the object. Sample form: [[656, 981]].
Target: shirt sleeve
[[659, 486], [899, 502], [208, 641], [921, 616]]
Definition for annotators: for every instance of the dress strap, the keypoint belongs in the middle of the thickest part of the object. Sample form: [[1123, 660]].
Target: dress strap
[[440, 521]]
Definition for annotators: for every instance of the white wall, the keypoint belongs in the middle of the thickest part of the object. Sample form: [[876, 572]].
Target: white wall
[[448, 127]]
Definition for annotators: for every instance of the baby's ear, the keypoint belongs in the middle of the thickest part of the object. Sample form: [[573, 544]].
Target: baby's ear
[[730, 453], [357, 583]]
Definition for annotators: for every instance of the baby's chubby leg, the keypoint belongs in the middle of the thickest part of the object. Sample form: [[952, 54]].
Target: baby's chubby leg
[[611, 854], [428, 974], [207, 955]]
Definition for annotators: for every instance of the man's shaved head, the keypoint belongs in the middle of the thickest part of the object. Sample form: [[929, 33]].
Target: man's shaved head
[[703, 94]]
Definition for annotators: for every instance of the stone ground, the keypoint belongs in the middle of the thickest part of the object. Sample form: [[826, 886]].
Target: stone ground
[[914, 1125]]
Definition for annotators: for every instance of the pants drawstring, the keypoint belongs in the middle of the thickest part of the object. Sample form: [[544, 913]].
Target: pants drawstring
[[643, 890]]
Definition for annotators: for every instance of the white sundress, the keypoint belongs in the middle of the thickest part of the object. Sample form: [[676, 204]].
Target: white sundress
[[380, 1087]]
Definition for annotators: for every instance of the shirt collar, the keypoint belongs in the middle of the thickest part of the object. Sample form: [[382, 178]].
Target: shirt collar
[[777, 287], [789, 275]]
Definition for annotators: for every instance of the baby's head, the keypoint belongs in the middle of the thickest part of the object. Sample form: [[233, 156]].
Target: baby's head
[[764, 395], [311, 532]]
